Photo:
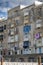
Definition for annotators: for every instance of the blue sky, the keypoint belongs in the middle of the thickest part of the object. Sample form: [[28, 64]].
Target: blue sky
[[7, 4]]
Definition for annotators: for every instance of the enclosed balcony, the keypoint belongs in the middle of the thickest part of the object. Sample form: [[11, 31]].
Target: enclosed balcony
[[26, 13], [1, 37], [26, 51], [4, 27], [39, 12], [11, 32], [16, 30], [1, 29], [38, 23], [38, 50], [26, 29], [17, 13], [16, 38], [39, 43], [11, 39], [27, 37], [26, 44]]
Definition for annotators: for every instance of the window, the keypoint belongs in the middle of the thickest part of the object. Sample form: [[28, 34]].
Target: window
[[31, 15], [1, 52], [1, 29], [26, 13], [32, 59], [26, 51], [8, 52], [11, 39], [4, 27], [16, 30], [12, 25], [16, 38], [11, 31], [39, 49], [26, 44], [39, 11], [38, 23], [4, 53], [42, 59], [21, 59], [17, 22], [1, 37]]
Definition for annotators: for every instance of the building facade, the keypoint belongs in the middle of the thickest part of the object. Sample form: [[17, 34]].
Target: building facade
[[24, 34]]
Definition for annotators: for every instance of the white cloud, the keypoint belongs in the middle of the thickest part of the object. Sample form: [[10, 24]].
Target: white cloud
[[4, 9], [37, 3]]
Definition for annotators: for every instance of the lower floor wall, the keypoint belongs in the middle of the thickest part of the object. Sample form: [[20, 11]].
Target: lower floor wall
[[19, 63]]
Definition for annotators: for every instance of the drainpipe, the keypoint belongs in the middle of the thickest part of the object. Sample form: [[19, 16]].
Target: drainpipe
[[39, 60]]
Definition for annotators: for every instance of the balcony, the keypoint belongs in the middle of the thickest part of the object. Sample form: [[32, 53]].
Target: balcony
[[17, 14], [16, 30], [39, 12], [26, 51], [38, 50], [11, 32], [26, 44], [7, 53], [11, 39], [12, 25], [16, 38], [26, 29], [18, 52], [17, 22], [26, 13], [38, 23], [27, 37]]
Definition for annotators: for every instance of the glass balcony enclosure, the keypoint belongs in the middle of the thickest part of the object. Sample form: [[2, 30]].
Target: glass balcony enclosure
[[38, 23], [1, 29], [1, 37]]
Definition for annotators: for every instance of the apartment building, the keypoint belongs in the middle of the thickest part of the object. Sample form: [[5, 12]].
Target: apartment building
[[24, 34], [20, 32]]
